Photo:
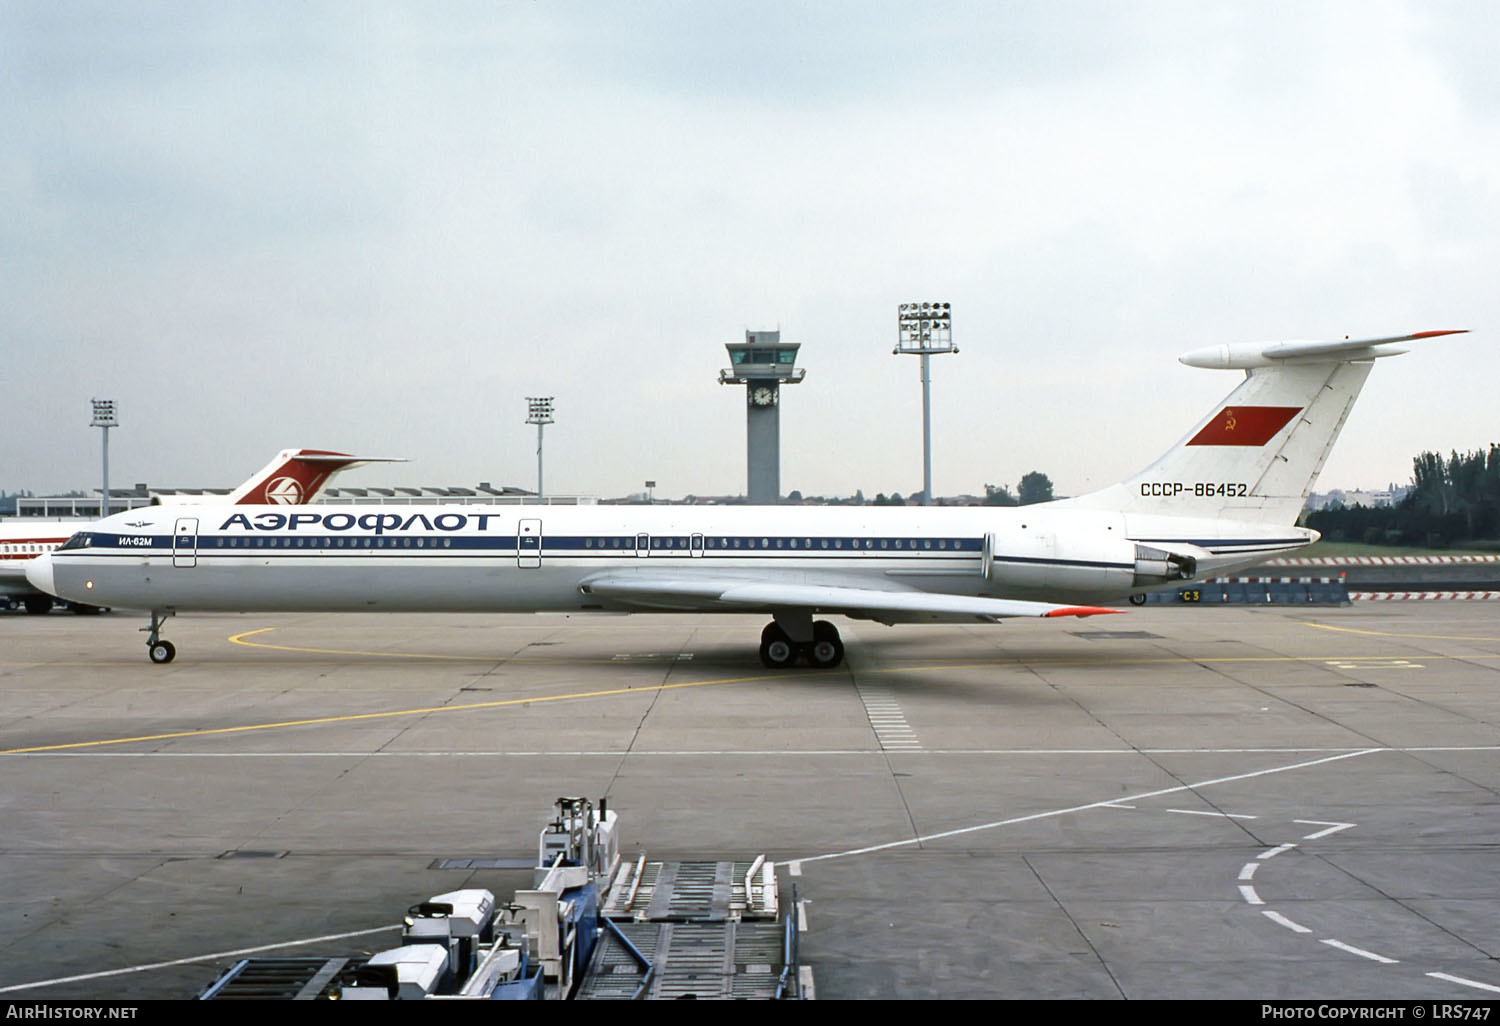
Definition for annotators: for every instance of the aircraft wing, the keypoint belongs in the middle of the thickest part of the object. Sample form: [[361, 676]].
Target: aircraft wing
[[725, 595]]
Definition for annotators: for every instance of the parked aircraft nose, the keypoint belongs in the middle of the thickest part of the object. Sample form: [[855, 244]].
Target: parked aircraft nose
[[39, 573]]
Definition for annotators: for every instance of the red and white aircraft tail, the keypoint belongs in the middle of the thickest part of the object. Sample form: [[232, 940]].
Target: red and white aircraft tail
[[297, 476], [1256, 456]]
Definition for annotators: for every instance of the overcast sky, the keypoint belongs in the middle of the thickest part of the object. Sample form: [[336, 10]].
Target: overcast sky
[[378, 227]]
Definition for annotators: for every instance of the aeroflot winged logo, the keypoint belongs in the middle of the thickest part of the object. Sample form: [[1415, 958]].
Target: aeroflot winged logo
[[284, 491], [1245, 425]]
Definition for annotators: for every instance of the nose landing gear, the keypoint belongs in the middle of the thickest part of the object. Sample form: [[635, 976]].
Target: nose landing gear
[[158, 649]]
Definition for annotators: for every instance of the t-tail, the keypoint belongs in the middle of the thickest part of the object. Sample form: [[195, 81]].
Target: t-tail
[[1256, 455], [297, 476]]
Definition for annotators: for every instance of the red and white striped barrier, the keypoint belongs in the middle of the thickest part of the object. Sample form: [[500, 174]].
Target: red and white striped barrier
[[1424, 596], [1271, 580], [1381, 560]]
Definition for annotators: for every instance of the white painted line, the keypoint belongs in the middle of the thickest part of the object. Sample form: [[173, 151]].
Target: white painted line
[[534, 753], [1275, 851], [1466, 983], [1333, 828], [1069, 810], [1281, 920], [1361, 952], [1116, 805], [1247, 871], [805, 986], [1248, 893], [1200, 812], [240, 953], [794, 868], [801, 917]]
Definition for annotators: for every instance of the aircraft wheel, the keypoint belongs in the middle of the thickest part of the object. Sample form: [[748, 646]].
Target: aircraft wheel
[[827, 648], [1138, 600], [36, 605], [162, 652], [776, 649]]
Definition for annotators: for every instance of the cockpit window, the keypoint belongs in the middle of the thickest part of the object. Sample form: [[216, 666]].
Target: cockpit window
[[81, 540]]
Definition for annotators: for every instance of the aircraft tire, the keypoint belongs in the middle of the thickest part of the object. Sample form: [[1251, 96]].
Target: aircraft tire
[[162, 652], [1138, 600], [776, 649], [827, 648], [36, 605]]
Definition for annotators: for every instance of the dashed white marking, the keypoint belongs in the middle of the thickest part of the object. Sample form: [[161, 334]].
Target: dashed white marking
[[1248, 893], [802, 917], [1275, 851], [1281, 920], [887, 720], [1333, 828], [1361, 952], [1247, 871], [1466, 983], [1201, 812], [794, 868], [1373, 664]]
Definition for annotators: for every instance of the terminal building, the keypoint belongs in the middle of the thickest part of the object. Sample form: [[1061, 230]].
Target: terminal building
[[122, 499]]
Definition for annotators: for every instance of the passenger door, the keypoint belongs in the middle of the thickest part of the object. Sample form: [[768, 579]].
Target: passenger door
[[529, 544], [185, 542]]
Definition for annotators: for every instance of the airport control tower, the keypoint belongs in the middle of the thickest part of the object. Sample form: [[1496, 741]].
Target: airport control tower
[[762, 363]]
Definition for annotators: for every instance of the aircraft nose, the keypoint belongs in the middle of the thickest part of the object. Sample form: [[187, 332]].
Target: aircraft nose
[[39, 573]]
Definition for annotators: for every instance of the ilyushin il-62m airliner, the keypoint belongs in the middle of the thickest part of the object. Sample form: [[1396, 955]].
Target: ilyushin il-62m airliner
[[1227, 496]]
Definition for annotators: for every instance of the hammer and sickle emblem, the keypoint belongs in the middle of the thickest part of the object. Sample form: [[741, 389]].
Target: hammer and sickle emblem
[[1228, 420]]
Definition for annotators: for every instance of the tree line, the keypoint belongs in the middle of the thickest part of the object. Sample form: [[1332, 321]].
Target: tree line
[[1451, 501]]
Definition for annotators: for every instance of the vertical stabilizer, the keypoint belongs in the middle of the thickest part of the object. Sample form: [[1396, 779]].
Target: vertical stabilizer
[[1256, 455], [296, 476]]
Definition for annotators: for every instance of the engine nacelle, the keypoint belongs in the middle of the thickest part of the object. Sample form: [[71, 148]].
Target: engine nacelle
[[1083, 563]]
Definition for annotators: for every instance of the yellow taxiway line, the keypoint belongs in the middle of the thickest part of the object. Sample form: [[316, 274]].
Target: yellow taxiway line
[[239, 639]]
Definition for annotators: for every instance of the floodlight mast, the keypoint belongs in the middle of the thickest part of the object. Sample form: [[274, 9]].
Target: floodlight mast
[[925, 329], [539, 412], [104, 418]]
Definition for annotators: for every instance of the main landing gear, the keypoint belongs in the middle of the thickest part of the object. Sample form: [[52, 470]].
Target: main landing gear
[[786, 639], [160, 650]]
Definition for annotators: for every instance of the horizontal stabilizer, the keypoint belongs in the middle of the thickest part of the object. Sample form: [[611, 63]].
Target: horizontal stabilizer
[[1244, 355]]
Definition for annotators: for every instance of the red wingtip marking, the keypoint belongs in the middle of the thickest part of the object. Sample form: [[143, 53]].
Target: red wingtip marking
[[1082, 611], [1435, 334]]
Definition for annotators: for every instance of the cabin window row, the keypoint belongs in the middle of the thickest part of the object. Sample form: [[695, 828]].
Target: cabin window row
[[662, 543], [328, 542]]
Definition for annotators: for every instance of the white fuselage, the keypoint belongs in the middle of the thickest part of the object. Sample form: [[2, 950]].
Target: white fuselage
[[470, 558]]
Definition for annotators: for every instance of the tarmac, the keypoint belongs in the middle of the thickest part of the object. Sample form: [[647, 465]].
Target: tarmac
[[1264, 803]]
